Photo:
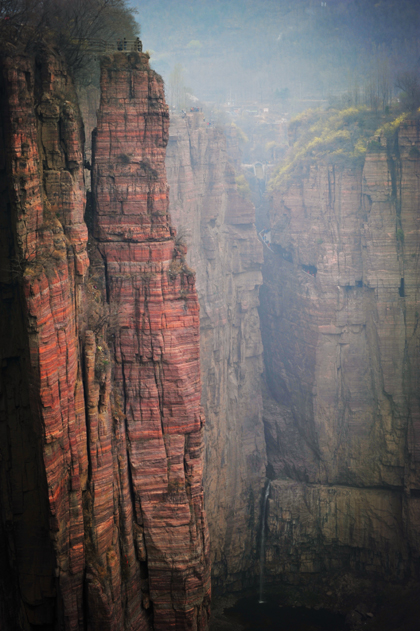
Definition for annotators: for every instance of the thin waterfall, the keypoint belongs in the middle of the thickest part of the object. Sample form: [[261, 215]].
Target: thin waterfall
[[262, 547]]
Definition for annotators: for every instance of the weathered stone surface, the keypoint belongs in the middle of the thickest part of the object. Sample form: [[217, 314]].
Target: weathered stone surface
[[339, 323], [44, 457], [155, 347], [224, 249], [103, 523], [335, 527]]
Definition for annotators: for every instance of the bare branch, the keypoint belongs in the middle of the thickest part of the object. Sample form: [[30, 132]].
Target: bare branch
[[70, 21]]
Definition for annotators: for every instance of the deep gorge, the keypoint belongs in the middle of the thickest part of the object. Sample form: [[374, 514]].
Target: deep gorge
[[126, 406]]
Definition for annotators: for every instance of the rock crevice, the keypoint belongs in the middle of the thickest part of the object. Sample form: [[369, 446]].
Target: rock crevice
[[217, 224]]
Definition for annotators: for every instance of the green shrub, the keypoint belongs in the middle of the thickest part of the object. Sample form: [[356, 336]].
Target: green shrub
[[374, 146], [243, 186], [389, 128], [102, 360], [240, 134], [330, 137], [334, 136]]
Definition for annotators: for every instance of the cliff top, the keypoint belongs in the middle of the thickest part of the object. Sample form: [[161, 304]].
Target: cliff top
[[335, 136]]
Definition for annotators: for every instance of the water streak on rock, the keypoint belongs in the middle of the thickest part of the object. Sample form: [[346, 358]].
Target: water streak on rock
[[262, 544]]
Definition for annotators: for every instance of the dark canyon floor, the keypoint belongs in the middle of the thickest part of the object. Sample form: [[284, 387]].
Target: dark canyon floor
[[388, 608]]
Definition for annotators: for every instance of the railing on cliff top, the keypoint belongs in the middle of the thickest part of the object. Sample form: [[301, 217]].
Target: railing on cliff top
[[102, 46]]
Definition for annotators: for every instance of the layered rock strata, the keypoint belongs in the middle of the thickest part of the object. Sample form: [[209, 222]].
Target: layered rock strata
[[154, 341], [217, 223], [44, 461], [102, 519], [340, 330]]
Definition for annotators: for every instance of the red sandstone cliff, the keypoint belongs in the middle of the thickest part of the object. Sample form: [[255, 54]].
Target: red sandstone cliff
[[342, 366], [102, 522], [224, 249], [155, 343], [44, 458]]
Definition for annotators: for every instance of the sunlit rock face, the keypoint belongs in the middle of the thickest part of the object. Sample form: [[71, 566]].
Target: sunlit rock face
[[340, 316], [155, 346], [223, 248], [102, 523]]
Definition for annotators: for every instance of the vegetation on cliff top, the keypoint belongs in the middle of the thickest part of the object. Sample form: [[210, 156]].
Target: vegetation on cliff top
[[339, 137], [68, 24], [242, 186]]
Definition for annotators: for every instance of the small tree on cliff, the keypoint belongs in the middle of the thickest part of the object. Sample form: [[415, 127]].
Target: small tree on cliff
[[15, 14], [76, 21]]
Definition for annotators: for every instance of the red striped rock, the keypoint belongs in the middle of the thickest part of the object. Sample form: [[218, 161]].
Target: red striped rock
[[43, 141], [156, 374], [103, 499]]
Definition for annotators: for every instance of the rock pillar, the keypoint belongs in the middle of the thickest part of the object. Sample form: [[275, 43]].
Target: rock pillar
[[154, 344]]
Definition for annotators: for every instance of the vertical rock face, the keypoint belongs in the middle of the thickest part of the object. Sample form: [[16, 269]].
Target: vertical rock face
[[340, 330], [43, 435], [102, 519], [158, 419], [218, 226]]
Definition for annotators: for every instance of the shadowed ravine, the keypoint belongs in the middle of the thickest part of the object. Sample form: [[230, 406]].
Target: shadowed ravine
[[250, 615]]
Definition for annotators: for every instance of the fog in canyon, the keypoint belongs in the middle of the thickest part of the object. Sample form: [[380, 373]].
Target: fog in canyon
[[209, 315]]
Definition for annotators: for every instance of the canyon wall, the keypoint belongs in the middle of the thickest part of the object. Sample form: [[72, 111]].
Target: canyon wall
[[340, 315], [153, 336], [223, 248], [102, 518], [44, 461]]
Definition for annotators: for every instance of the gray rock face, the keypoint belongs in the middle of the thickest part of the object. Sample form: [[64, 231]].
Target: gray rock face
[[223, 248], [340, 313]]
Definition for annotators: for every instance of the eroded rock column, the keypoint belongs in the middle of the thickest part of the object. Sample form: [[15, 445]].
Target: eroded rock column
[[43, 244], [154, 344]]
